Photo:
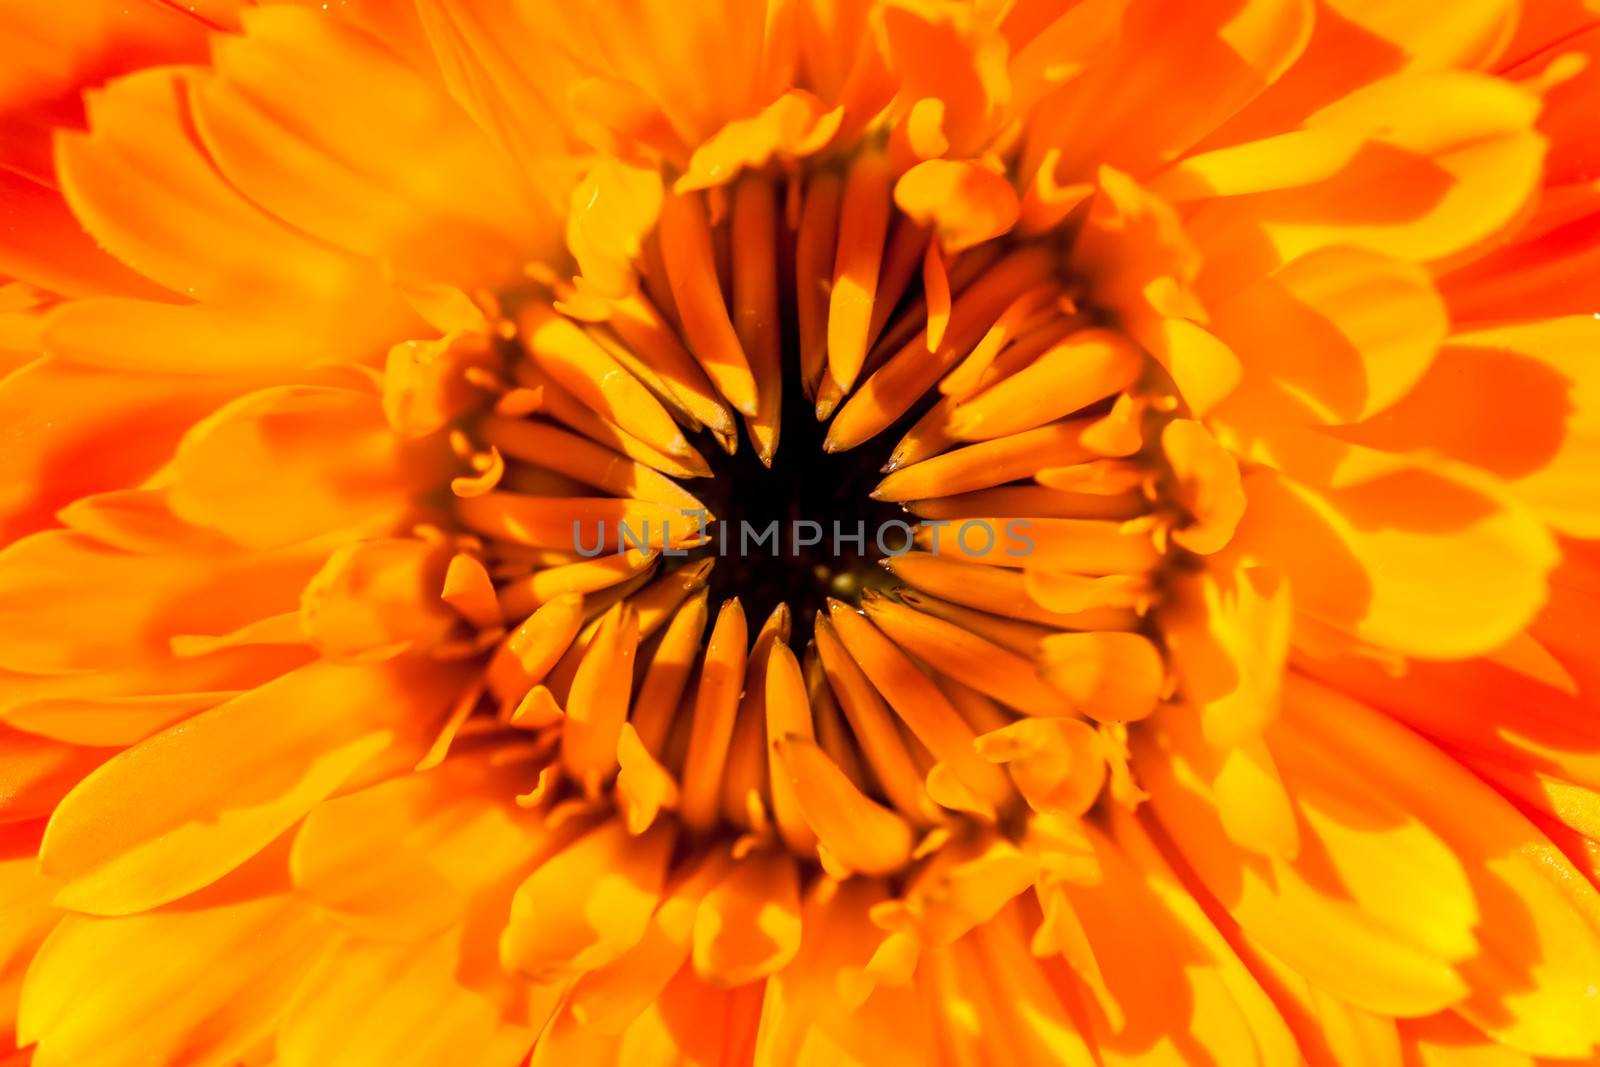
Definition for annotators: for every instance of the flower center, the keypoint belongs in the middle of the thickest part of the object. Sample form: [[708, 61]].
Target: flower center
[[835, 387], [802, 530]]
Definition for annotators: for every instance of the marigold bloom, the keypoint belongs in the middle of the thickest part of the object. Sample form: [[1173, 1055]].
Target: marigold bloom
[[333, 336]]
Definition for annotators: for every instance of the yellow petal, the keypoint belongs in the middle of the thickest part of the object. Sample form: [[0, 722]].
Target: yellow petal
[[1455, 153], [52, 582], [401, 860], [1385, 558], [167, 816], [374, 1004], [554, 932], [1537, 382], [1471, 34], [964, 202], [350, 173], [748, 926], [227, 972], [1364, 328], [282, 465], [377, 598]]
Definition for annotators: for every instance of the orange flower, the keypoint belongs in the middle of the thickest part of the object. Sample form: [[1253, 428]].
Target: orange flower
[[1227, 696]]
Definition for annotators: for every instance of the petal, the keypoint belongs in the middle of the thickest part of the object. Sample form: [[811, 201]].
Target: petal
[[177, 811], [556, 933], [1534, 737], [1363, 329], [382, 1005], [748, 925], [610, 998], [1174, 977], [1549, 270], [512, 69], [1171, 78], [1529, 979], [25, 899], [282, 465], [964, 202], [73, 431], [1300, 911], [793, 126], [1448, 1041], [144, 189], [1388, 558], [118, 333], [378, 598], [227, 972], [45, 245], [1228, 637], [1455, 154], [58, 50], [1532, 980], [288, 118], [1208, 486], [36, 772], [403, 860], [940, 52], [817, 1002], [613, 210], [68, 602], [1536, 383], [1283, 161], [1567, 119], [119, 708], [1469, 34]]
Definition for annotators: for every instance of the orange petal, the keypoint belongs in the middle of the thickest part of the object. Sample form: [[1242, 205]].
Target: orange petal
[[858, 833], [1385, 558], [1535, 381], [36, 772], [1461, 35], [1207, 486], [77, 430], [143, 187], [119, 845], [346, 1011], [121, 707], [1113, 677], [402, 860], [793, 126], [1372, 950], [52, 582], [1192, 68], [285, 114], [1364, 329], [25, 896], [229, 969], [1136, 918], [947, 54], [554, 932], [282, 465], [748, 926], [1455, 152], [47, 247], [964, 202]]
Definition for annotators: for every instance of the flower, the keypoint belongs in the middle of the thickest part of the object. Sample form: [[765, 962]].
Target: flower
[[1255, 337]]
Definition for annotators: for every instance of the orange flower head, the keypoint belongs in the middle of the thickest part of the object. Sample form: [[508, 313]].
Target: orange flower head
[[776, 532]]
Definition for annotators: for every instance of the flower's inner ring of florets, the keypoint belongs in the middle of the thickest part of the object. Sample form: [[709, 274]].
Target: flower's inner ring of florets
[[840, 397]]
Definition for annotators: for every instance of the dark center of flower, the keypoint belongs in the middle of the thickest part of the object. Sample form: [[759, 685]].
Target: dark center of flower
[[804, 530]]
